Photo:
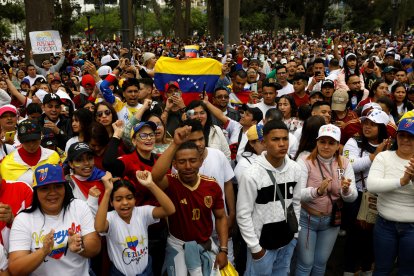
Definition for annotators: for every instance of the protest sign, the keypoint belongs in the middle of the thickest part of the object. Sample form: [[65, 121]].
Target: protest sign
[[44, 42]]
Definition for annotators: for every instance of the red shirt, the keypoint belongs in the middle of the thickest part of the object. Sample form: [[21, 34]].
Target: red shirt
[[351, 125], [19, 196], [132, 163], [192, 220], [298, 100]]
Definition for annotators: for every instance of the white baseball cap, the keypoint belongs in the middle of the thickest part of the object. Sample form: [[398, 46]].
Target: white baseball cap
[[283, 61], [377, 116], [104, 70], [330, 131]]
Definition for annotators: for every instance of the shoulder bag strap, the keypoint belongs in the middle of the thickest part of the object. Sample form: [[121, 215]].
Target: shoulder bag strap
[[279, 193]]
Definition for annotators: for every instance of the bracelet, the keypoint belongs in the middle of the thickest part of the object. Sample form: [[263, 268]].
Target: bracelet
[[224, 249]]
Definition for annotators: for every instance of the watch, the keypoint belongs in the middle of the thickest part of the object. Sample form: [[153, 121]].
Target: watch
[[224, 249]]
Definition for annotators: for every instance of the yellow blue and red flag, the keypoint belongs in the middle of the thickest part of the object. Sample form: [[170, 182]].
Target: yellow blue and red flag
[[191, 51], [190, 74]]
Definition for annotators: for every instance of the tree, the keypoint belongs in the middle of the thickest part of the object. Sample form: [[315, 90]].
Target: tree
[[234, 22], [36, 21]]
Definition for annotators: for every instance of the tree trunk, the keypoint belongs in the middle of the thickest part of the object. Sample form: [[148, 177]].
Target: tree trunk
[[234, 22], [178, 19], [187, 26], [66, 21], [38, 21], [213, 15]]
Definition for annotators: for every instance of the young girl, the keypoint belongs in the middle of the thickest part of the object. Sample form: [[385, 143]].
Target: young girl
[[126, 228]]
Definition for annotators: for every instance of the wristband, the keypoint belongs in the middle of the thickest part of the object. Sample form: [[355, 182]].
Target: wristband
[[224, 249]]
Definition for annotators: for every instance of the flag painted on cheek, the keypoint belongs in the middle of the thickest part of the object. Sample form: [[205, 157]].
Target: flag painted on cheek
[[191, 74]]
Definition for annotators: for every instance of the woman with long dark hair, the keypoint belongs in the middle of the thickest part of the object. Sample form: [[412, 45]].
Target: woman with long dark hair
[[399, 94], [213, 134], [378, 89], [56, 235], [286, 104], [81, 126], [106, 115], [307, 140], [361, 152]]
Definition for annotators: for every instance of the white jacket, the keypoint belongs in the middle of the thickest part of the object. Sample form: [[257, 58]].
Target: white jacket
[[255, 185]]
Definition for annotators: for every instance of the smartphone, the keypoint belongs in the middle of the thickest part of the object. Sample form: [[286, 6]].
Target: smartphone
[[9, 135], [317, 73], [190, 113], [176, 94]]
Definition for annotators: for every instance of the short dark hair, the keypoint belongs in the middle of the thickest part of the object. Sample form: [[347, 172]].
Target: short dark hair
[[34, 108], [318, 104], [146, 82], [274, 124], [319, 60], [334, 62], [130, 82], [300, 76], [280, 67], [188, 145], [241, 73]]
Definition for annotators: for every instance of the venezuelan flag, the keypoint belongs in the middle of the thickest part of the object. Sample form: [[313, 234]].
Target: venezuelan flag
[[191, 51], [191, 74]]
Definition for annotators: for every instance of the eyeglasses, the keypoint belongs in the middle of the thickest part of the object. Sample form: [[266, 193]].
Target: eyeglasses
[[281, 73], [144, 136], [107, 112]]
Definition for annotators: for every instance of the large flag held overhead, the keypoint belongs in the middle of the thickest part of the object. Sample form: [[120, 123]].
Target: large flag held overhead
[[191, 74]]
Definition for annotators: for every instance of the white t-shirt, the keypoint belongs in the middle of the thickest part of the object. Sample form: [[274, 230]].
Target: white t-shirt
[[28, 231], [264, 107], [32, 80], [128, 243], [70, 142], [285, 90]]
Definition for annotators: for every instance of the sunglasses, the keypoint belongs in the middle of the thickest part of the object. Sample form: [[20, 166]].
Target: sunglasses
[[107, 112]]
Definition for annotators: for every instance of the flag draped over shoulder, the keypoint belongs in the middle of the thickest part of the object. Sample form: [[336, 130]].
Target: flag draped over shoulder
[[191, 74]]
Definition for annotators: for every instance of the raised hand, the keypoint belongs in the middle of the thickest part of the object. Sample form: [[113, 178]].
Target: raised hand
[[345, 182], [144, 177], [107, 181], [181, 134], [324, 186]]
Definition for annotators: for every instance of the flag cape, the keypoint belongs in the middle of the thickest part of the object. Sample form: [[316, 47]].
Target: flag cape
[[191, 51], [191, 74]]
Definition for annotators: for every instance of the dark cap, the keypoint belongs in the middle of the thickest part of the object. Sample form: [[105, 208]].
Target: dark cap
[[313, 93], [255, 111], [40, 80], [76, 150], [48, 142], [29, 130], [389, 69], [328, 83], [48, 174], [51, 97], [140, 125]]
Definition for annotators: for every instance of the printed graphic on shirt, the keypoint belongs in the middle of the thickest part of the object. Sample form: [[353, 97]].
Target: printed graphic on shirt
[[134, 249], [60, 240]]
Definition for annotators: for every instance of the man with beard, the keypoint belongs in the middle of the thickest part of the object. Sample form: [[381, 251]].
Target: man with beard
[[355, 92]]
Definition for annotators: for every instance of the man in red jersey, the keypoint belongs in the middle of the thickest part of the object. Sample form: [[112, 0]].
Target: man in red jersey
[[195, 198]]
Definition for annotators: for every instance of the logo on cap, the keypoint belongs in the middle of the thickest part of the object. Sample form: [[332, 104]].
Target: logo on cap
[[43, 174]]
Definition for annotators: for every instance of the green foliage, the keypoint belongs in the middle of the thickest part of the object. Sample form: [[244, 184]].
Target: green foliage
[[104, 29], [198, 21], [14, 12]]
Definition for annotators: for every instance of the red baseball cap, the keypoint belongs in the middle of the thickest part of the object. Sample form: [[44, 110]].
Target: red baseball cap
[[8, 108], [171, 83], [88, 79]]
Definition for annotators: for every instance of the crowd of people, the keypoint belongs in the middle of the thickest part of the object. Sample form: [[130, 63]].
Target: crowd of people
[[301, 141]]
